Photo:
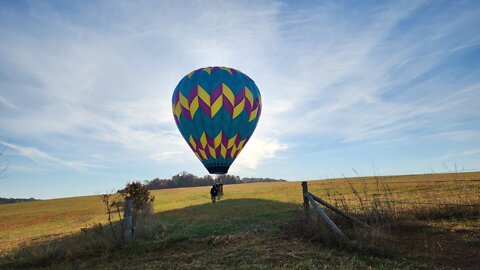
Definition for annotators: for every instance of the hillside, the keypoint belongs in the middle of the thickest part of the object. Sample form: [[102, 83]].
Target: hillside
[[252, 226]]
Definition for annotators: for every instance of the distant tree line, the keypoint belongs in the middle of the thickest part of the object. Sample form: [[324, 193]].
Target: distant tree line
[[185, 179], [15, 200]]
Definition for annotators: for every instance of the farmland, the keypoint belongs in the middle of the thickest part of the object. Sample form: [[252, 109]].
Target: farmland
[[257, 226]]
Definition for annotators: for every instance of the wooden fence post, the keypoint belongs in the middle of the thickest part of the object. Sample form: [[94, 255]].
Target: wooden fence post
[[325, 217], [306, 203], [127, 219]]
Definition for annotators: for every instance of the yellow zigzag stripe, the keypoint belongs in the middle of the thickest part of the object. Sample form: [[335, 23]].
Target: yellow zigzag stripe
[[202, 148], [194, 106], [184, 101], [218, 140], [215, 105], [204, 95], [203, 140], [253, 115], [248, 95], [212, 152], [238, 109], [227, 92]]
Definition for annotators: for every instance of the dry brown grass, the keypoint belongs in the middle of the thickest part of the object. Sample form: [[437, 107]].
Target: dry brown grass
[[428, 220]]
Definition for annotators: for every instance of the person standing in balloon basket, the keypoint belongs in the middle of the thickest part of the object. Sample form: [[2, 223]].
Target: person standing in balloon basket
[[213, 193]]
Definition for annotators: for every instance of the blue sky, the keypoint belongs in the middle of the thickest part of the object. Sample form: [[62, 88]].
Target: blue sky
[[380, 87]]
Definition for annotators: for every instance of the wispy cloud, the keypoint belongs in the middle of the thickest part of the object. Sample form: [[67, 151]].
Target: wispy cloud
[[97, 80], [42, 157], [106, 93], [7, 103], [439, 53], [473, 152]]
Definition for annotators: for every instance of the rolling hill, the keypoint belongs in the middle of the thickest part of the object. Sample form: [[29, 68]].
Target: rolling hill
[[253, 226]]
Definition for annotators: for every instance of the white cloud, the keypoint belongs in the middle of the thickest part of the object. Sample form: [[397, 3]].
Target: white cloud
[[258, 150], [103, 77], [94, 89], [41, 156]]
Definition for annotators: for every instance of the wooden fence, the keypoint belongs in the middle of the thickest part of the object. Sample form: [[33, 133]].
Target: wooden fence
[[311, 199]]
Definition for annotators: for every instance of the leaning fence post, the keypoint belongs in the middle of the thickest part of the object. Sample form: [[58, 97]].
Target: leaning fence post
[[306, 203], [127, 219], [325, 217]]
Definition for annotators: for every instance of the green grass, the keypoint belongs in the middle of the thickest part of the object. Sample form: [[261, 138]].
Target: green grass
[[245, 229]]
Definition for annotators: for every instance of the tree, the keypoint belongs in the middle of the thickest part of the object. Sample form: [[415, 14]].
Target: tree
[[228, 179], [140, 195], [184, 179]]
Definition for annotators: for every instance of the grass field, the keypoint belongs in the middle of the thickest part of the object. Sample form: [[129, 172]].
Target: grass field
[[257, 226]]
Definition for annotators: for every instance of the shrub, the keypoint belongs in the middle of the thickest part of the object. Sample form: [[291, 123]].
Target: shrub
[[145, 224]]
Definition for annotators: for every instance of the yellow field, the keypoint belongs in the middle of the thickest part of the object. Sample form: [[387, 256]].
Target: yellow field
[[188, 213], [23, 222], [28, 221]]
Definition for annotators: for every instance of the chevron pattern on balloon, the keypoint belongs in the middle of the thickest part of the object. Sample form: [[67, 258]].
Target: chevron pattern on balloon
[[221, 97], [209, 70], [220, 146]]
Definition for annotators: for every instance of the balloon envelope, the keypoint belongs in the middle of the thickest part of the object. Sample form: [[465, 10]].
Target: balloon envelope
[[216, 109]]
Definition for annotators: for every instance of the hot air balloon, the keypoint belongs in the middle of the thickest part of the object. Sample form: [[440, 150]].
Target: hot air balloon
[[216, 110]]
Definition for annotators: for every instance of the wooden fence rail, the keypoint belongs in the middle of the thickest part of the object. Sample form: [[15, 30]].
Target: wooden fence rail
[[338, 211], [325, 217], [309, 198]]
